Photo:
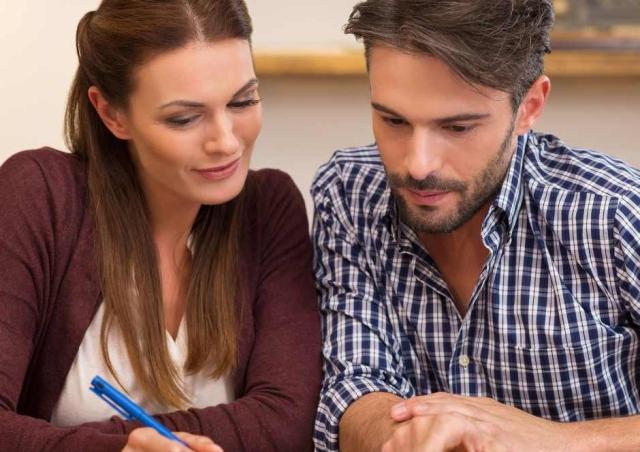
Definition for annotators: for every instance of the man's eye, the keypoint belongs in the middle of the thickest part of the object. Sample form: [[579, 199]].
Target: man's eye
[[458, 128], [394, 122]]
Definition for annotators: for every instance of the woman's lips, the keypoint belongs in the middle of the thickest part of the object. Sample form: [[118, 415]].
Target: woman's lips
[[219, 172], [427, 198]]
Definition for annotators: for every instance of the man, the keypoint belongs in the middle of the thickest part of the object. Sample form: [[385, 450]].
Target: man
[[479, 283]]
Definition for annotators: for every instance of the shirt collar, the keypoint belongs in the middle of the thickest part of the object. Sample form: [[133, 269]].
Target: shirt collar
[[389, 211], [509, 199]]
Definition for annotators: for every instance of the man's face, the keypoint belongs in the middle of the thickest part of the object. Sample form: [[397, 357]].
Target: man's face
[[446, 145]]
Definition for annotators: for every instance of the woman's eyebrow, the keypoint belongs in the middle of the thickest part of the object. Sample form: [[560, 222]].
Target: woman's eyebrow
[[251, 84]]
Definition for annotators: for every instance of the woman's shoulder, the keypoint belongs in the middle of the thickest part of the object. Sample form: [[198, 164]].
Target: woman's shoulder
[[46, 156], [268, 186], [48, 163], [274, 178], [273, 196], [44, 177]]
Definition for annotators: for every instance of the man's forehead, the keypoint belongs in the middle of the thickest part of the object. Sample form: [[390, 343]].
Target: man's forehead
[[404, 81], [390, 63]]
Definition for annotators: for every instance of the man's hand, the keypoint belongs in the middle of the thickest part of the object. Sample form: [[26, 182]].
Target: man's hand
[[147, 439], [442, 433], [443, 422]]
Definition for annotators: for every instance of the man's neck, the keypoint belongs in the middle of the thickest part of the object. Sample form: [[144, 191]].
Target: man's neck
[[460, 256]]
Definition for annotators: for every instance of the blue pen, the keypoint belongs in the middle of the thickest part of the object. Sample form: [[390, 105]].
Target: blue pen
[[129, 409]]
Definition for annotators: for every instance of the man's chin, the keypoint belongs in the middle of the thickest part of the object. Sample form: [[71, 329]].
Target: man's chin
[[427, 219]]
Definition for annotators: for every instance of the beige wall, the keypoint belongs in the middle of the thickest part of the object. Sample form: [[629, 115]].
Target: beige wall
[[305, 119], [38, 60], [300, 24]]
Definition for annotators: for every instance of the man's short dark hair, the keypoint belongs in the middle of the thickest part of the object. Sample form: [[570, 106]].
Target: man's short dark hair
[[496, 43]]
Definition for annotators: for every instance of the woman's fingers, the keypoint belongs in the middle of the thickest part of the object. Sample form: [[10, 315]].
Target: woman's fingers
[[148, 440], [199, 443]]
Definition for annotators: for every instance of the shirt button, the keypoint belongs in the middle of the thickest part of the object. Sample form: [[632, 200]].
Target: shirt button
[[464, 361]]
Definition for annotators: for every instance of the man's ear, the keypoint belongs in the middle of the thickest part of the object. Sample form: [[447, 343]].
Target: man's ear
[[112, 117], [533, 104]]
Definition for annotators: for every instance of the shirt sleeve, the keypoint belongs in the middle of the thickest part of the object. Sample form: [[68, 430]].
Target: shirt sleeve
[[627, 253], [360, 352]]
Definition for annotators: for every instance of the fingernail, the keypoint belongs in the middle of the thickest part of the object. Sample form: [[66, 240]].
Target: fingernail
[[399, 410]]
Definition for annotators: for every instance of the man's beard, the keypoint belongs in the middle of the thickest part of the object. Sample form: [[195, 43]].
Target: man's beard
[[474, 196]]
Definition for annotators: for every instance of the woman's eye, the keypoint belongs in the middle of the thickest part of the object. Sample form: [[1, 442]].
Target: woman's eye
[[244, 103], [394, 122], [181, 121]]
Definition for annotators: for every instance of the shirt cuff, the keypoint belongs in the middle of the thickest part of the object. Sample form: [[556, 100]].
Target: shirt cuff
[[336, 399]]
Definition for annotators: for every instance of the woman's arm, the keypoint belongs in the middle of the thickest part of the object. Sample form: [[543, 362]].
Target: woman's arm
[[30, 242]]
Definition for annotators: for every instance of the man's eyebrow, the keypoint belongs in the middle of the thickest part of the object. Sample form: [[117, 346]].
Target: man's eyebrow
[[383, 109], [462, 117], [444, 120], [251, 84]]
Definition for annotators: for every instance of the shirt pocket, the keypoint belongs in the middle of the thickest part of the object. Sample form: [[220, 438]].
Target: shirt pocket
[[566, 383]]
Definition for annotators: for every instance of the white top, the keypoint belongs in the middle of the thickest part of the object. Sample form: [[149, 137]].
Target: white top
[[78, 404]]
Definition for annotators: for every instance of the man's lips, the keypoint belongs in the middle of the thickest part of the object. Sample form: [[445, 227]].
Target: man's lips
[[427, 197], [427, 193]]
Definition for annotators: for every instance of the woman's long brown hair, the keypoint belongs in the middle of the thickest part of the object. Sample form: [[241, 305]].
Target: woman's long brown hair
[[111, 43]]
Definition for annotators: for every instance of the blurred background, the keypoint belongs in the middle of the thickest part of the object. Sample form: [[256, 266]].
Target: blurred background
[[316, 96]]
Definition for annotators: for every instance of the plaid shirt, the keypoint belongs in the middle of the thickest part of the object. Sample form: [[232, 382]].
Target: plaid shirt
[[552, 326]]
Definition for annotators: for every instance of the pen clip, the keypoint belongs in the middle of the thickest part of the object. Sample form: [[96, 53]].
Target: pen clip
[[113, 405]]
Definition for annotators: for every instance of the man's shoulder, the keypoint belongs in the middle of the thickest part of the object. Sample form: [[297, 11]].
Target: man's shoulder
[[353, 179], [562, 168], [348, 164]]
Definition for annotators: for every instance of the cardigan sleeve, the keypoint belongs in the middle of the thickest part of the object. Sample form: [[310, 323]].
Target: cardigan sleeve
[[282, 382], [28, 247]]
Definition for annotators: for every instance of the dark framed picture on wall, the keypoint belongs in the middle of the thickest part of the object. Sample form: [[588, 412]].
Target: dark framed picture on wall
[[591, 38], [597, 24]]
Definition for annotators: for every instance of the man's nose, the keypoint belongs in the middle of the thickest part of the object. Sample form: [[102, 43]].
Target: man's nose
[[424, 155]]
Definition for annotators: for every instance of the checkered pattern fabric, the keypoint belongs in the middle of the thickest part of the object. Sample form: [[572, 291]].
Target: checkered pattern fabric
[[552, 327]]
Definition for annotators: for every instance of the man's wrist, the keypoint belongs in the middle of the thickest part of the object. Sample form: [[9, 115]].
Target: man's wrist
[[589, 436]]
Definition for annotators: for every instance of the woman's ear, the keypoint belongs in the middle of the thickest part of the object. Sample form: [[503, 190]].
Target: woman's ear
[[533, 104], [112, 117]]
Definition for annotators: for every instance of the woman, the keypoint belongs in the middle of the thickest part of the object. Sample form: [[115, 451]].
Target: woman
[[151, 255]]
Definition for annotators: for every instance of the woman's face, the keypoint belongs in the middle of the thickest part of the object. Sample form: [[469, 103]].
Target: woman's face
[[192, 121]]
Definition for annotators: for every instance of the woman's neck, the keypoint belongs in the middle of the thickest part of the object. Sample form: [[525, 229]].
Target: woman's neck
[[171, 221]]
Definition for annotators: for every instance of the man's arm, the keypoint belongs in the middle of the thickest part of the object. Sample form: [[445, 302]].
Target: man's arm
[[361, 352], [615, 435], [443, 421], [367, 423]]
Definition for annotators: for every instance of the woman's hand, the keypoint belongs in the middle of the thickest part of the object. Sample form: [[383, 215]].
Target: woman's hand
[[147, 440]]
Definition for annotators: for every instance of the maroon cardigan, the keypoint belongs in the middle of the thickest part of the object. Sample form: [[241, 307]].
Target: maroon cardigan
[[49, 292]]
